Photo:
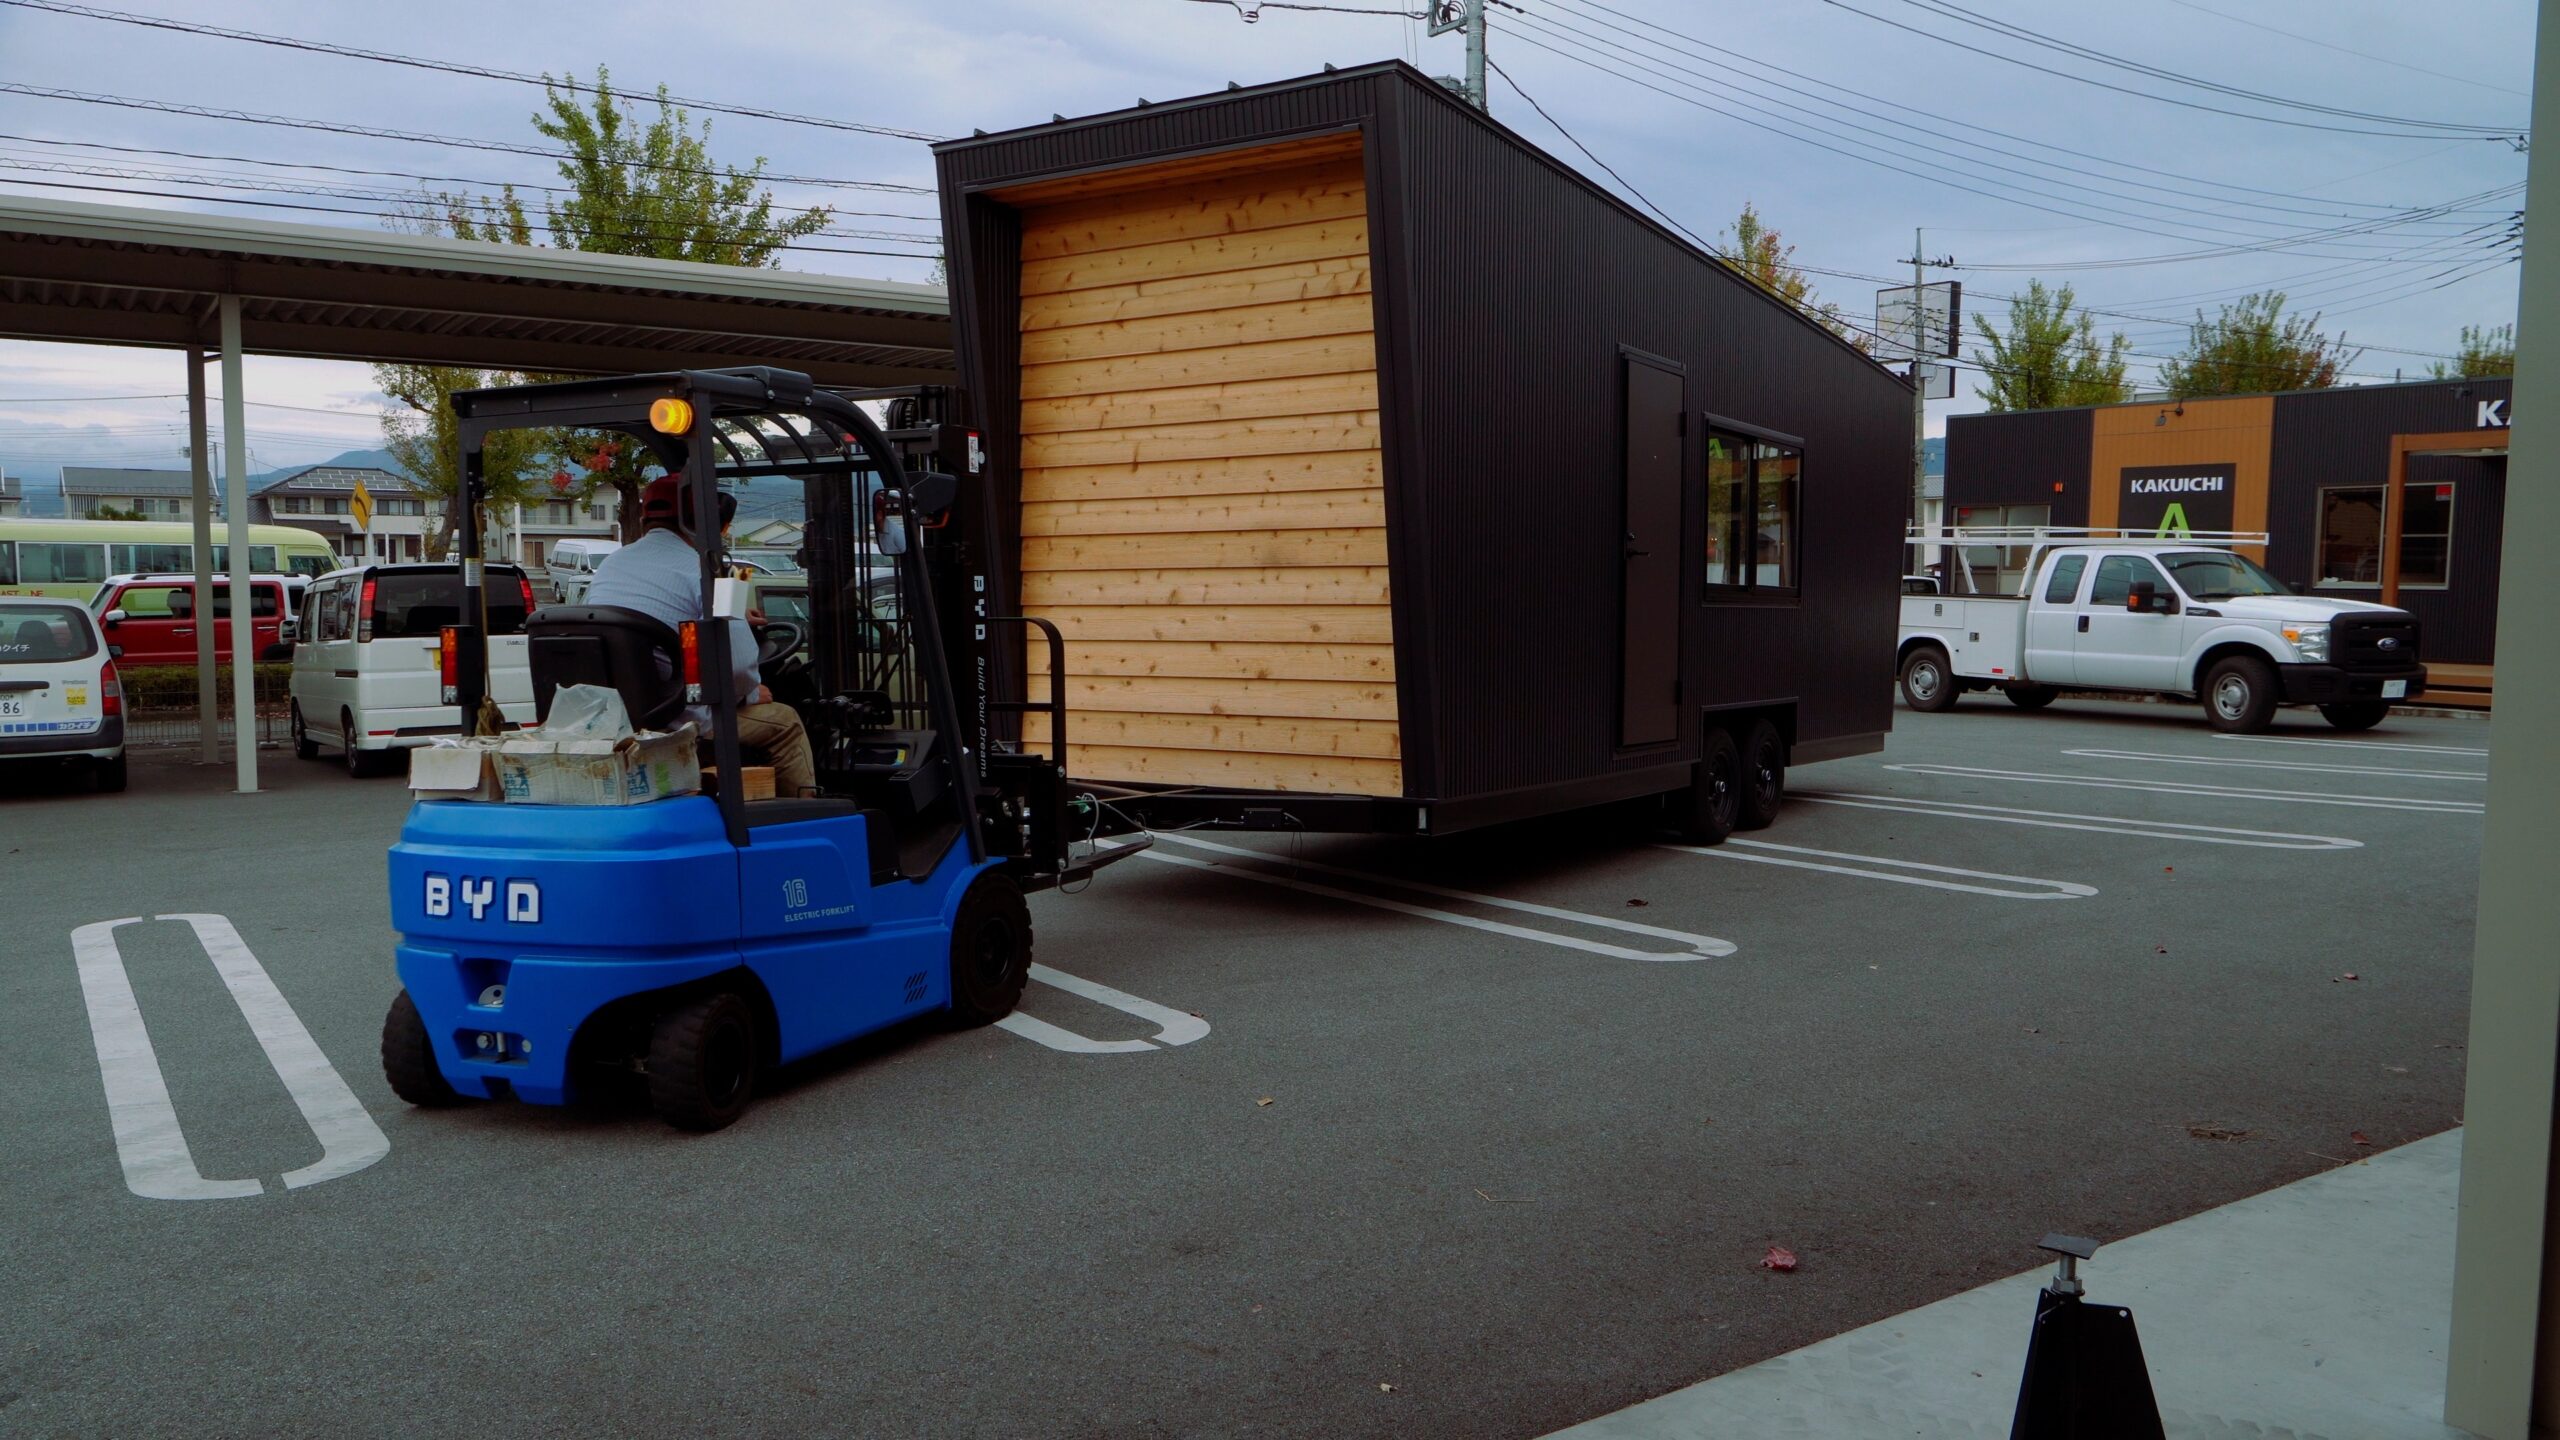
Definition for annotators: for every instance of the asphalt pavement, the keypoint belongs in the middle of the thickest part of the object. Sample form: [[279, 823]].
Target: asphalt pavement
[[1485, 1135]]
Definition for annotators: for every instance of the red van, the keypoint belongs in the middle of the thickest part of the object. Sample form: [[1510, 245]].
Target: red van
[[152, 619]]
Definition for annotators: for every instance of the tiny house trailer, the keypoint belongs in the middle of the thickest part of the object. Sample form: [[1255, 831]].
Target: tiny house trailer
[[1383, 473]]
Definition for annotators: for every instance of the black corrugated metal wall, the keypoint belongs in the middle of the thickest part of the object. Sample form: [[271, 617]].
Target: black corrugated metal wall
[[2019, 459], [1507, 326], [2328, 438]]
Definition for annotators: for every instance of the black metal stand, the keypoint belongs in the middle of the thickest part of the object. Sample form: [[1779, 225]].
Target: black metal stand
[[2084, 1378]]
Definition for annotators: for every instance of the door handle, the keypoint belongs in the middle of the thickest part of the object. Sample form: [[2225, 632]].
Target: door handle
[[2084, 624], [1632, 552], [184, 630]]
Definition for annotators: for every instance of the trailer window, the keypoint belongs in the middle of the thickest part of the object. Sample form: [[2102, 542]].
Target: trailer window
[[1754, 495]]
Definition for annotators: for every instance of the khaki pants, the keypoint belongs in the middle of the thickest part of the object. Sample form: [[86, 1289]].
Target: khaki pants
[[775, 729]]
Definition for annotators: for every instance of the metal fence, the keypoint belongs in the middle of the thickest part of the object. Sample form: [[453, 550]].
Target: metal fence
[[175, 729]]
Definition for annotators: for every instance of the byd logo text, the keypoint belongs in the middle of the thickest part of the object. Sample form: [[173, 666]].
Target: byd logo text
[[524, 898]]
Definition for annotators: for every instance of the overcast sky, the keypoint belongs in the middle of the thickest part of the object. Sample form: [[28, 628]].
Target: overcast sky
[[1801, 107]]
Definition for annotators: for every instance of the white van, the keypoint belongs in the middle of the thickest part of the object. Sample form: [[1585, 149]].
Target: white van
[[367, 672], [573, 567], [59, 696]]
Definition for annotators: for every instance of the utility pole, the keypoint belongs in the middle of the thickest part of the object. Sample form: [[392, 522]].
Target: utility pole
[[1919, 383], [1467, 15]]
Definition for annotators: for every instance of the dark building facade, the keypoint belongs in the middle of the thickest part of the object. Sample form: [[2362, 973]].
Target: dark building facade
[[2394, 493]]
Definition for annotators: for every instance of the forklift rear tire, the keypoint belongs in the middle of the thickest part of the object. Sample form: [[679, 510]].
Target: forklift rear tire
[[409, 1058], [1712, 805], [1764, 776], [2031, 697], [702, 1061], [1928, 681], [990, 952]]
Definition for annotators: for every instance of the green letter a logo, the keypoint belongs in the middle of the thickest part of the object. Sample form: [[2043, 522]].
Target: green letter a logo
[[2173, 522]]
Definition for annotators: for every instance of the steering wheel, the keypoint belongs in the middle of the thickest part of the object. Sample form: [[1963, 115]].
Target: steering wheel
[[778, 645]]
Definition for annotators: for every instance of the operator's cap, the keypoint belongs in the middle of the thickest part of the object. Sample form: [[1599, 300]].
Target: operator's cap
[[665, 499]]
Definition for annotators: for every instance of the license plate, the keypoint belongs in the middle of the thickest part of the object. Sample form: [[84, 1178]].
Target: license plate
[[13, 707], [2395, 689]]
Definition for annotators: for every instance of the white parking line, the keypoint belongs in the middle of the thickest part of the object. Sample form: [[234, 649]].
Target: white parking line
[[1694, 947], [1749, 850], [2187, 787], [2309, 768], [1173, 1027], [2098, 824], [2354, 744], [150, 1145]]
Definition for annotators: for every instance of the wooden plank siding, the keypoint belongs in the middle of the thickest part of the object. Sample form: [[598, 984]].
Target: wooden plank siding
[[1204, 511]]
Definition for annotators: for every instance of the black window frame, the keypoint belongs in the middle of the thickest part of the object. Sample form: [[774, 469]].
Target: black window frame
[[1749, 590]]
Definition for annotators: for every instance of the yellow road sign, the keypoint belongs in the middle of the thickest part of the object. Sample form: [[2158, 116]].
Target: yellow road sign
[[361, 506]]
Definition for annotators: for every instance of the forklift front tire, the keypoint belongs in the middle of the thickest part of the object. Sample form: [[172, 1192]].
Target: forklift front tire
[[409, 1058], [990, 952], [702, 1061], [1712, 805]]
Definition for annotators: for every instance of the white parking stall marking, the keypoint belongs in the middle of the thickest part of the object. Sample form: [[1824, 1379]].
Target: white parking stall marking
[[1927, 874], [1693, 946], [2188, 787], [2149, 757], [2097, 824], [150, 1145], [1173, 1027], [2354, 744]]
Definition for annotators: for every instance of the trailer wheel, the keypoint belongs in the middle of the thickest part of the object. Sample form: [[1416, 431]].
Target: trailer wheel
[[409, 1058], [990, 952], [702, 1061], [1712, 805], [1928, 681], [1764, 776], [2356, 714], [2240, 694], [2031, 697]]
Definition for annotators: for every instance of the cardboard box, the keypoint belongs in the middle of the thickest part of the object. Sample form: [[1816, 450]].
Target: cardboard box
[[755, 782], [454, 770], [532, 770]]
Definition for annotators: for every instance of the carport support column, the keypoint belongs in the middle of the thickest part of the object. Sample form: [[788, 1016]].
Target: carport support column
[[2503, 1374], [235, 471], [208, 701]]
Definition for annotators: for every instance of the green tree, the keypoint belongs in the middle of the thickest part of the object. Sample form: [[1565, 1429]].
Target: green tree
[[110, 512], [426, 438], [2486, 350], [636, 184], [2253, 346], [2048, 359], [1755, 251]]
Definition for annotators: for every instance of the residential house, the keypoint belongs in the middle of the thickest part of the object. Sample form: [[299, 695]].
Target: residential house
[[13, 497], [157, 494], [533, 529], [322, 499]]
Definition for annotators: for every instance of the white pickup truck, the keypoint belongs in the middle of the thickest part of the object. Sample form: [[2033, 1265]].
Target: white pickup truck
[[2174, 617]]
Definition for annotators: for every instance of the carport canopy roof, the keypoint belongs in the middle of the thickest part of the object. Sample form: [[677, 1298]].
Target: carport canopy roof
[[119, 275]]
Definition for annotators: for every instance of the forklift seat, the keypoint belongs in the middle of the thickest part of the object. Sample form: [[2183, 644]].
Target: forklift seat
[[623, 650]]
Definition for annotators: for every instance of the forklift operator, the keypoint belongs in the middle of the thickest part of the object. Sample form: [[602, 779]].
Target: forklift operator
[[660, 576]]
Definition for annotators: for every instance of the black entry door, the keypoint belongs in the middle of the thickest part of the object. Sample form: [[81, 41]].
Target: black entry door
[[1649, 650]]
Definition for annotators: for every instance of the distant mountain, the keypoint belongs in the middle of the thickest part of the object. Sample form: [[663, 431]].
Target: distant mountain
[[358, 459]]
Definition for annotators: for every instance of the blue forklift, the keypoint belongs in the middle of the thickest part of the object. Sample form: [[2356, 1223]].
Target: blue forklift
[[685, 946]]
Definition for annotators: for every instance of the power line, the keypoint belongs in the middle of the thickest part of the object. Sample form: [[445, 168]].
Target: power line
[[2219, 205], [2344, 50], [352, 192], [385, 57], [429, 179], [2257, 243], [2426, 134], [1252, 10], [387, 215], [455, 142], [1981, 21]]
